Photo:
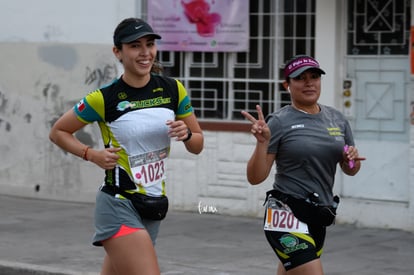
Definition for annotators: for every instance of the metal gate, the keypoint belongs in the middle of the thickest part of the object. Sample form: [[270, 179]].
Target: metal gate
[[377, 96]]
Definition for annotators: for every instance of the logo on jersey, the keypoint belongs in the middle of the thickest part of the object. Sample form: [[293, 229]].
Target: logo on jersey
[[123, 105], [335, 131], [160, 89], [297, 126], [188, 107], [147, 103], [81, 106], [122, 95]]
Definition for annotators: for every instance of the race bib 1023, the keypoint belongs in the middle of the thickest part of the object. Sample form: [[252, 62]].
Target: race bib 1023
[[149, 168]]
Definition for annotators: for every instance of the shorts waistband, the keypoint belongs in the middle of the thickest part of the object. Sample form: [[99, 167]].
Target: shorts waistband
[[278, 195], [110, 190]]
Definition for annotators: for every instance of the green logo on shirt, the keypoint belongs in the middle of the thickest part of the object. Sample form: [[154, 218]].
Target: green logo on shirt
[[152, 102]]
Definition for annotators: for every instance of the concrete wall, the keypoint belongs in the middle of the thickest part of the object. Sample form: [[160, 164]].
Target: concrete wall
[[74, 21], [38, 83]]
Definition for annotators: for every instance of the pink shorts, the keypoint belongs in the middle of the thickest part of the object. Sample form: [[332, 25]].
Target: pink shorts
[[124, 230]]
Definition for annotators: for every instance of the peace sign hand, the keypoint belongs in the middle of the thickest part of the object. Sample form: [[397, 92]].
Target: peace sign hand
[[259, 126]]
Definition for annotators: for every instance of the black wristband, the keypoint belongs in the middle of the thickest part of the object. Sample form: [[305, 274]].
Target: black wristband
[[189, 135]]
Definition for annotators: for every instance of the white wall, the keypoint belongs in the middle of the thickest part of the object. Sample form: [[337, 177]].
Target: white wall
[[74, 21], [326, 49], [36, 86]]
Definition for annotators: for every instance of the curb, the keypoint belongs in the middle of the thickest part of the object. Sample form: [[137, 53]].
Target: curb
[[16, 268]]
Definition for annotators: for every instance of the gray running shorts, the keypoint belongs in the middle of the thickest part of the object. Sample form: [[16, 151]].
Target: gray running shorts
[[112, 212]]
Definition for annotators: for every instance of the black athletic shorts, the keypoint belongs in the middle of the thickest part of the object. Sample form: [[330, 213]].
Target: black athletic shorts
[[294, 240], [295, 249]]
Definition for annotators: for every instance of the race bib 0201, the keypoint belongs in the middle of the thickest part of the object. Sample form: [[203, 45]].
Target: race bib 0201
[[279, 217], [149, 168]]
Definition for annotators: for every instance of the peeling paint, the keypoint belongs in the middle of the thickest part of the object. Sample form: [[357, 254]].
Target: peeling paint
[[61, 56]]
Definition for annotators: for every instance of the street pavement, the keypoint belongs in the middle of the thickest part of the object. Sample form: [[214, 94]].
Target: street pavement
[[45, 237]]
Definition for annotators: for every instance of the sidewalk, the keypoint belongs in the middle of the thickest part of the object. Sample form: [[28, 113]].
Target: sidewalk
[[49, 237]]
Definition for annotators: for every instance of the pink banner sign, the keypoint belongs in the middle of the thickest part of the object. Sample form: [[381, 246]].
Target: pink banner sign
[[201, 25]]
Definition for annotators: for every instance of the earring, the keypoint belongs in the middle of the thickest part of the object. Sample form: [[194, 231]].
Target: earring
[[288, 89]]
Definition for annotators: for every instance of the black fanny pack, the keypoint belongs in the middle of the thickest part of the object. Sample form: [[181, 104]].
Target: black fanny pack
[[307, 210], [148, 207]]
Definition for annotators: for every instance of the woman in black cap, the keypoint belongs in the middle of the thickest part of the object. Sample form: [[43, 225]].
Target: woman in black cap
[[138, 115], [306, 140]]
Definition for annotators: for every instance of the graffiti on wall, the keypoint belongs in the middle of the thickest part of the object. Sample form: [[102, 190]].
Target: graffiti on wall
[[11, 112], [4, 124], [101, 76], [56, 105], [28, 111], [22, 138]]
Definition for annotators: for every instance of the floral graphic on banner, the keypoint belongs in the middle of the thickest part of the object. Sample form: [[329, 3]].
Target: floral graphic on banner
[[197, 12], [201, 25]]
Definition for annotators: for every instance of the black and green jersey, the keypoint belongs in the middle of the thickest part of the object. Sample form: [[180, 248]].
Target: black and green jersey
[[134, 119]]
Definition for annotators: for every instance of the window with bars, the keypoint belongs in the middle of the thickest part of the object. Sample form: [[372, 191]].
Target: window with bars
[[380, 27], [220, 85]]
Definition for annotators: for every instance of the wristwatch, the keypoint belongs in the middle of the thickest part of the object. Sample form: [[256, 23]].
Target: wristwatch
[[189, 135]]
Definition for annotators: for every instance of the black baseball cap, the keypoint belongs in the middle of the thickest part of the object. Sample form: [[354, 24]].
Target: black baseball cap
[[133, 30]]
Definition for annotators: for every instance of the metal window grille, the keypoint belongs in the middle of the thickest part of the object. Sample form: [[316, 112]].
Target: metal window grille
[[222, 84], [380, 27]]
